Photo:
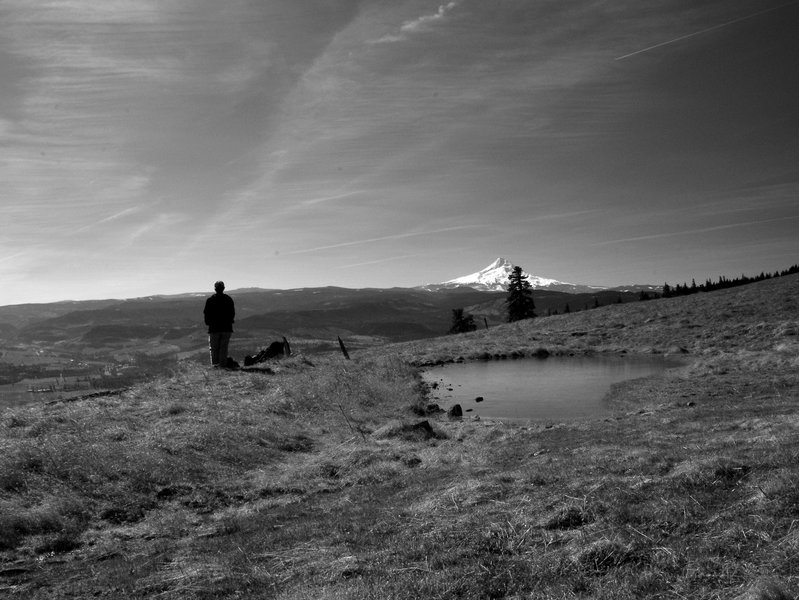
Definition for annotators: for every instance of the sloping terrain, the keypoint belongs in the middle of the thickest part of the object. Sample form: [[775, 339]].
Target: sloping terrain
[[760, 318], [328, 478]]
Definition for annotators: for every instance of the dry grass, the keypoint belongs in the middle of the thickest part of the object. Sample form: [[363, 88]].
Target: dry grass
[[754, 323], [318, 480]]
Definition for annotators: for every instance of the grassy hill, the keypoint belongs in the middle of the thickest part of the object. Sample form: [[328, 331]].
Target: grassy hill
[[759, 318], [323, 478]]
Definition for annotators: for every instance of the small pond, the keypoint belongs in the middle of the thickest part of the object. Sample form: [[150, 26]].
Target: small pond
[[16, 395], [555, 388], [13, 396]]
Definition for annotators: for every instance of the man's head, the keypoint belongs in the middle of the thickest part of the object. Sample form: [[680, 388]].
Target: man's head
[[219, 286]]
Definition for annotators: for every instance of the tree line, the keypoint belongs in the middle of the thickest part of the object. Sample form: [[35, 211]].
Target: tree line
[[684, 289]]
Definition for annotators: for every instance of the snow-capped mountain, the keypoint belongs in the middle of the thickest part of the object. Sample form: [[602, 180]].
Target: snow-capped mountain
[[495, 278]]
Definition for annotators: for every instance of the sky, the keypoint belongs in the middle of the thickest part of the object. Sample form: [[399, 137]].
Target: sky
[[156, 146]]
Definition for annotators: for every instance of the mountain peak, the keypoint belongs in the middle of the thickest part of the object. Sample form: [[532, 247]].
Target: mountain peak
[[494, 278], [499, 263]]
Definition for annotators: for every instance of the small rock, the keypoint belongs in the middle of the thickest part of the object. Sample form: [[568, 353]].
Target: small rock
[[455, 412]]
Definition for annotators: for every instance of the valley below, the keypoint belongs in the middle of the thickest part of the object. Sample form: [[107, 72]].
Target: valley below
[[318, 476], [110, 344]]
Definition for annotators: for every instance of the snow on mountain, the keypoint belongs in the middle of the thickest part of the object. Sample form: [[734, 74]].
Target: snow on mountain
[[495, 278]]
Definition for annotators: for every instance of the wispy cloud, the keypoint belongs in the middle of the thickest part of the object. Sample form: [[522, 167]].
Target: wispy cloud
[[162, 223], [10, 257], [109, 219], [379, 261], [419, 24], [330, 198], [398, 236], [555, 216], [671, 234]]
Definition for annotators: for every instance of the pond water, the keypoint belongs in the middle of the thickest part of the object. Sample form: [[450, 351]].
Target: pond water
[[555, 388], [12, 396], [17, 395]]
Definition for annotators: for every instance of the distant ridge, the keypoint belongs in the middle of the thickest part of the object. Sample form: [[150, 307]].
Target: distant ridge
[[494, 278]]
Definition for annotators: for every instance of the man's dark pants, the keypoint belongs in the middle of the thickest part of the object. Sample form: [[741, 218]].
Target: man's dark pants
[[218, 342]]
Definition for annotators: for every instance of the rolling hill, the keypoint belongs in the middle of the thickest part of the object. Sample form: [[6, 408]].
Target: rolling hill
[[310, 316]]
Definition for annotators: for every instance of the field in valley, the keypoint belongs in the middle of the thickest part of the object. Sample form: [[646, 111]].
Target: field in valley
[[318, 477]]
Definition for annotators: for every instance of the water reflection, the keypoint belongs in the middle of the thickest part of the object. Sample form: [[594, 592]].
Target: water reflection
[[557, 388]]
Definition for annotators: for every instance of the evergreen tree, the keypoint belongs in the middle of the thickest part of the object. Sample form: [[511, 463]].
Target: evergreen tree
[[461, 322], [520, 296]]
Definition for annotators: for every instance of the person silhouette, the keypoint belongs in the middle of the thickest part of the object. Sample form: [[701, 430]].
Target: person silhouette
[[219, 314]]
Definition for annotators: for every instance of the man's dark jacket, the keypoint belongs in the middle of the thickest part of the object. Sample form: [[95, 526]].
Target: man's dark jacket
[[219, 313]]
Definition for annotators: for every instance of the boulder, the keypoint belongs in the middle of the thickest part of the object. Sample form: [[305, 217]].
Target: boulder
[[455, 412]]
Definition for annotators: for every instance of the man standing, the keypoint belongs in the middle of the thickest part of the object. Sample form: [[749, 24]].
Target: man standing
[[219, 314]]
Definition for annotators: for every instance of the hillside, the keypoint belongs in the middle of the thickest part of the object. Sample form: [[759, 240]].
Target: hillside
[[317, 477], [758, 319]]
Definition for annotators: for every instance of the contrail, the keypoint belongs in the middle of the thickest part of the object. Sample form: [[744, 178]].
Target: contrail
[[398, 236], [382, 260], [656, 236], [696, 33]]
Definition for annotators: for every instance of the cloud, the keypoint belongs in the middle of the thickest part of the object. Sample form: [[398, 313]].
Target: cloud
[[331, 198], [160, 224], [380, 261], [418, 24], [670, 234], [398, 236], [12, 256], [111, 218], [565, 215], [415, 25]]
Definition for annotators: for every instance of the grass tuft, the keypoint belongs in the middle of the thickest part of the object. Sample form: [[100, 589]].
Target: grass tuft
[[601, 555], [766, 589], [568, 517]]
